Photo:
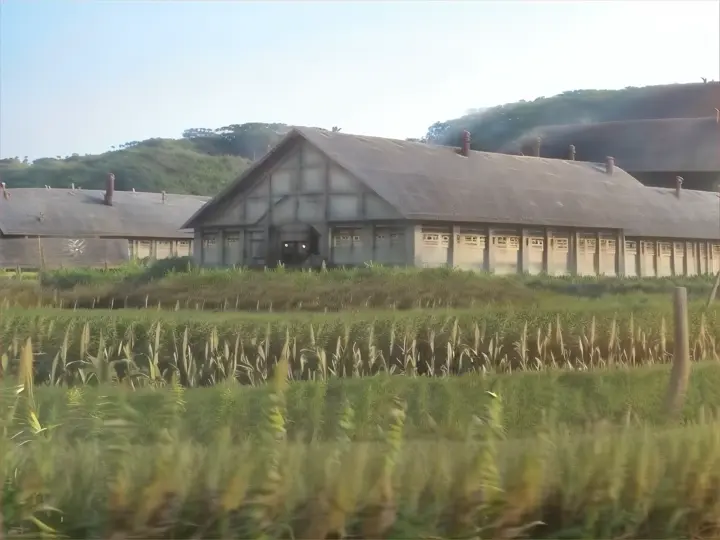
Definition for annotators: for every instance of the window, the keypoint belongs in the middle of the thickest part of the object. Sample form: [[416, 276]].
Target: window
[[665, 249], [472, 240], [445, 240], [342, 240], [257, 245], [207, 241], [431, 239], [716, 249], [608, 245], [183, 247], [507, 242], [631, 245], [679, 247], [346, 238], [561, 244], [384, 236], [649, 248], [537, 243]]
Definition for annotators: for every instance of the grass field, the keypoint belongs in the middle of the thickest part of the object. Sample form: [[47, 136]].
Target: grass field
[[380, 457], [369, 403], [173, 284]]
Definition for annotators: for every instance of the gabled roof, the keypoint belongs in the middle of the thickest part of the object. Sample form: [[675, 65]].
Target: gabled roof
[[81, 213], [662, 145], [427, 182]]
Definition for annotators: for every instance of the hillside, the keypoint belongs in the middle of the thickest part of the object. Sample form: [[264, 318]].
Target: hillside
[[199, 163], [496, 126], [204, 160]]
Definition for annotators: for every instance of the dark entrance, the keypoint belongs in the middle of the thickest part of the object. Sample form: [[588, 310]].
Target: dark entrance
[[297, 244], [293, 252]]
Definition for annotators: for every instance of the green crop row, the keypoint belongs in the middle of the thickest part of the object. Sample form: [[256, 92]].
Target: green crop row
[[206, 348]]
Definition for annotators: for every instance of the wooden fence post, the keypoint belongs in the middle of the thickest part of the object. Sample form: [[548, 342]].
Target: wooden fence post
[[680, 373]]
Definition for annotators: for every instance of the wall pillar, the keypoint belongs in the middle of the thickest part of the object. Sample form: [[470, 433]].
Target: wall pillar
[[574, 254], [620, 253], [413, 245], [221, 246], [598, 254], [546, 251], [524, 252], [453, 247], [708, 256], [197, 247], [491, 252]]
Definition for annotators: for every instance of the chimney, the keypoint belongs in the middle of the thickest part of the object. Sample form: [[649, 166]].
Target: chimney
[[609, 165], [717, 116], [5, 192], [536, 147], [109, 189], [465, 149], [72, 186], [572, 152], [678, 186], [164, 197]]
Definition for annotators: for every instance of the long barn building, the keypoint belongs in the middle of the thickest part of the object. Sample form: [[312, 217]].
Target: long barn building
[[342, 199], [54, 228]]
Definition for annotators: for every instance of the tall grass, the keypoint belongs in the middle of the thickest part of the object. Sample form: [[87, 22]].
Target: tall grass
[[94, 472], [202, 349]]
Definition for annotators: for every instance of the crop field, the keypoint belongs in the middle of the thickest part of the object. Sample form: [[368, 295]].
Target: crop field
[[381, 457], [372, 403], [204, 348]]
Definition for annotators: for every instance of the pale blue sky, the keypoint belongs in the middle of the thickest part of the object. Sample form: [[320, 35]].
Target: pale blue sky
[[81, 76]]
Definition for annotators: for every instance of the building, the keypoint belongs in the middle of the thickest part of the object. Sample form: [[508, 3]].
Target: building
[[52, 228], [348, 200], [655, 152]]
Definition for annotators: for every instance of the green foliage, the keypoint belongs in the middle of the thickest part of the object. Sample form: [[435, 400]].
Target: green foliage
[[202, 348], [494, 127], [201, 163], [440, 458], [175, 166], [178, 284]]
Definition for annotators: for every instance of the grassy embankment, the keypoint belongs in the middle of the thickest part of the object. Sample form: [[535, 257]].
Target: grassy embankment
[[173, 284]]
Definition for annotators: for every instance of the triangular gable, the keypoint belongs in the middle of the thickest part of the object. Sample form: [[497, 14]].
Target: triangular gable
[[237, 184], [275, 156]]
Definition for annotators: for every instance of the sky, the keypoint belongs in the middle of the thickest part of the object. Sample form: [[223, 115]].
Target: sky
[[82, 76]]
